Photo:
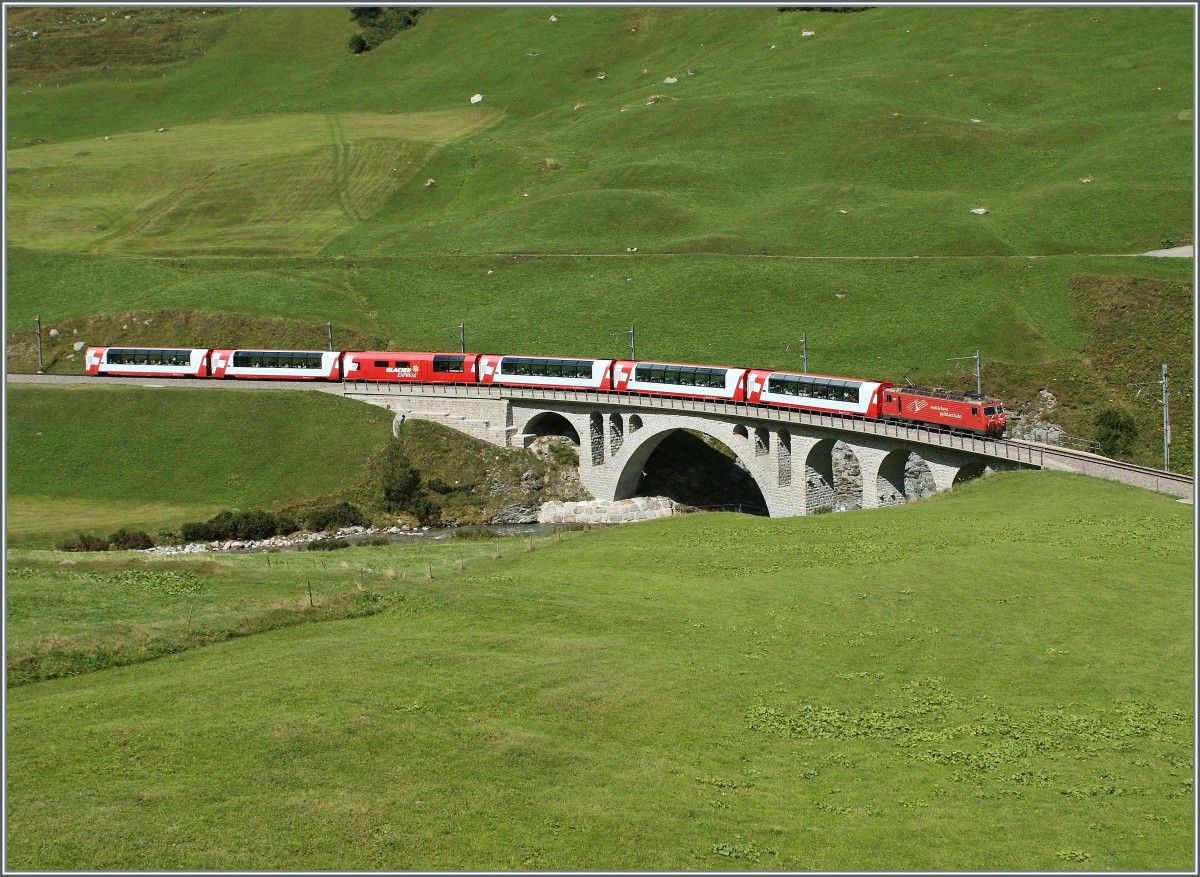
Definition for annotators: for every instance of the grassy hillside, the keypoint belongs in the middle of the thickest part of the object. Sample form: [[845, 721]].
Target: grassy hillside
[[269, 449], [93, 459], [291, 180], [1009, 688], [765, 136]]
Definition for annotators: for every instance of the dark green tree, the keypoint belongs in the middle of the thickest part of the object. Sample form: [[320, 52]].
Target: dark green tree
[[380, 23], [1115, 432], [401, 485]]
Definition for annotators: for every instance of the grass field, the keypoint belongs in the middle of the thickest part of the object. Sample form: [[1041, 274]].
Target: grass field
[[1008, 690], [282, 184], [186, 447], [290, 180]]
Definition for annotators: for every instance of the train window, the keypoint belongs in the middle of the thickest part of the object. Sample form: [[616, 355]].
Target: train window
[[974, 412], [680, 375], [128, 356], [989, 410], [275, 359], [448, 363], [815, 388]]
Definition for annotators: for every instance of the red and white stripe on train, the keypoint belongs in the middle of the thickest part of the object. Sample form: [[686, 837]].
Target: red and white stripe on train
[[871, 400]]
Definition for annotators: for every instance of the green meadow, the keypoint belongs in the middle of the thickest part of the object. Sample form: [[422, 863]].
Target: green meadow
[[750, 201], [997, 678]]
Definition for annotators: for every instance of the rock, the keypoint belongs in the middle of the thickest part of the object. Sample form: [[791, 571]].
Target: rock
[[602, 76], [642, 508], [979, 211], [53, 333], [670, 80], [476, 98], [431, 183], [78, 346]]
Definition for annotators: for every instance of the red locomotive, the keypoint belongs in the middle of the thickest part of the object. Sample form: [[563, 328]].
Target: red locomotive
[[870, 400], [947, 408]]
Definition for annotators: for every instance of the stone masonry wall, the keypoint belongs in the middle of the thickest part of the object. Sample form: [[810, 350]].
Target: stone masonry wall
[[623, 511]]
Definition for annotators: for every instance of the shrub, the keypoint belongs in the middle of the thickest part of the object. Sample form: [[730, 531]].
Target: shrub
[[475, 534], [326, 545], [340, 514], [398, 477], [198, 531], [287, 522], [564, 454], [84, 542], [1115, 432], [130, 540], [380, 23], [252, 524], [426, 511]]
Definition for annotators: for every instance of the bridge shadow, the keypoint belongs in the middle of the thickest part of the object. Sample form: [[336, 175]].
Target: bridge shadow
[[699, 471]]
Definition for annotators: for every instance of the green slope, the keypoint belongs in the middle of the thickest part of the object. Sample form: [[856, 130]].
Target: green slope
[[771, 136], [998, 678], [185, 446], [291, 179]]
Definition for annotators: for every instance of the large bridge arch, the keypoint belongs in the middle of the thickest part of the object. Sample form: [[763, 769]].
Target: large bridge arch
[[745, 489]]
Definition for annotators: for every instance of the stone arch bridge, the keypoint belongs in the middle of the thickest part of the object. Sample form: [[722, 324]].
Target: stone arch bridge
[[789, 454]]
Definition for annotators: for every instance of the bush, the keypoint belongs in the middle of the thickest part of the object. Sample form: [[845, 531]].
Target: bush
[[198, 531], [130, 540], [1115, 432], [564, 454], [326, 545], [84, 542], [252, 524], [340, 514], [288, 522], [380, 23], [398, 477], [426, 511], [474, 534]]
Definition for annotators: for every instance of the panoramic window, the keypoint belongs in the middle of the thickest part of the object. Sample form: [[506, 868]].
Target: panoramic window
[[275, 359], [815, 388]]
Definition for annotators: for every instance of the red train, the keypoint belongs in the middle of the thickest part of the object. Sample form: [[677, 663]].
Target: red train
[[871, 400]]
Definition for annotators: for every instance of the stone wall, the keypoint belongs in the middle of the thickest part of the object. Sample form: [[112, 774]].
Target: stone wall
[[622, 511]]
